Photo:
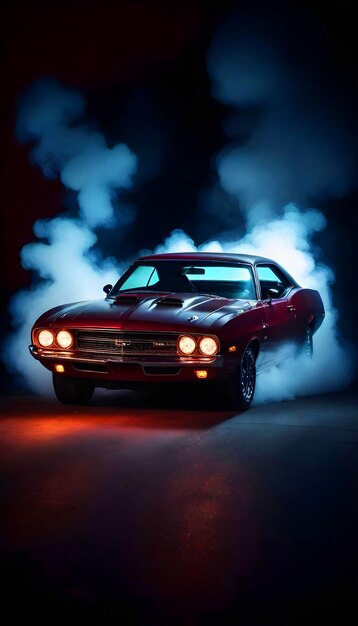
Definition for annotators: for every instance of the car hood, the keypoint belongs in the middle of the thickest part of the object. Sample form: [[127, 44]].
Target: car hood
[[165, 312]]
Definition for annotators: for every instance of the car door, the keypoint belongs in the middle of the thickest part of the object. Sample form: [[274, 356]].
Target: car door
[[280, 314]]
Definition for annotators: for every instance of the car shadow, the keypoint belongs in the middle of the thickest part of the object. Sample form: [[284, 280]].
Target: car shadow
[[164, 410]]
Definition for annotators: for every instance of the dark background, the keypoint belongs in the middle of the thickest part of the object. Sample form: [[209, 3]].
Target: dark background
[[142, 67]]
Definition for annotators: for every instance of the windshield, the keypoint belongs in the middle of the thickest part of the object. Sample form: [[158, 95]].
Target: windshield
[[228, 280]]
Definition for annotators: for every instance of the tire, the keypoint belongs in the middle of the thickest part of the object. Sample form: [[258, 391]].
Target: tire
[[72, 390], [247, 381], [308, 343], [239, 390]]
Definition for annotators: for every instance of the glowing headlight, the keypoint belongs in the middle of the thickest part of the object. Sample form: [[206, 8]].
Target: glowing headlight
[[64, 339], [187, 345], [208, 346], [45, 338]]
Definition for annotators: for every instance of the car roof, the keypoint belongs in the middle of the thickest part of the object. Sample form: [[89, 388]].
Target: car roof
[[208, 256]]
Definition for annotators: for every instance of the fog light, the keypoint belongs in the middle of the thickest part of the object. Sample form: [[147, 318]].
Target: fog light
[[59, 368], [201, 373]]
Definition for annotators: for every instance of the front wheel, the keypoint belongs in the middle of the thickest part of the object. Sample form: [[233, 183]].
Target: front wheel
[[247, 381], [239, 390], [72, 390]]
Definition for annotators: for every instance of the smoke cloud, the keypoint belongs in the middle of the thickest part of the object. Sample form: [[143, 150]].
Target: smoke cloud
[[77, 153]]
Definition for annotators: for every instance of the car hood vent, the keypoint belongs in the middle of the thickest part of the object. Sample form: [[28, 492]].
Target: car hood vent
[[129, 299], [168, 301]]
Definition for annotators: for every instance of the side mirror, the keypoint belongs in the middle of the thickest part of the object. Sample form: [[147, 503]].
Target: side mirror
[[272, 293], [107, 288]]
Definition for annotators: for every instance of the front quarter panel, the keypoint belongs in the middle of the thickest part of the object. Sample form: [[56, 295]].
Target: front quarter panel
[[242, 329]]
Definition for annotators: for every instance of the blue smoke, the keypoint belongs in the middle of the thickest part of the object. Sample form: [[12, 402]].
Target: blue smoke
[[50, 117]]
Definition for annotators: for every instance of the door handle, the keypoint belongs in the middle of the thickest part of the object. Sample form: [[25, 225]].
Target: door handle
[[290, 307]]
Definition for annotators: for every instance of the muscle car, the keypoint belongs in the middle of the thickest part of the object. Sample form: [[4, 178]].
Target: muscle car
[[212, 320]]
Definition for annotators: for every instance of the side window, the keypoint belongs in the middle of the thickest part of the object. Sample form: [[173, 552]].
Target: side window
[[271, 277], [142, 277]]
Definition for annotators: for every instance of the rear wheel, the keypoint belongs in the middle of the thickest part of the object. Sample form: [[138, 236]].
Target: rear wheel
[[308, 343], [72, 390]]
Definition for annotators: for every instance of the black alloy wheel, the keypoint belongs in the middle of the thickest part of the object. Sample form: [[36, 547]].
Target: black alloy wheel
[[245, 386], [247, 377], [236, 393]]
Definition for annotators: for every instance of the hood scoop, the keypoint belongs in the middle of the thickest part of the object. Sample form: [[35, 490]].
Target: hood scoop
[[127, 299], [168, 301]]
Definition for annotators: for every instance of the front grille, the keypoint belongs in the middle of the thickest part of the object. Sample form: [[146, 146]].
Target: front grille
[[126, 343]]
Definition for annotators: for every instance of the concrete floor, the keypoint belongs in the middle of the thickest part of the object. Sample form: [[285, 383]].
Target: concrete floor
[[133, 511]]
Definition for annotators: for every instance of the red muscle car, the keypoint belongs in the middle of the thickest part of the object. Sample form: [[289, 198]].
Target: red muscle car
[[209, 319]]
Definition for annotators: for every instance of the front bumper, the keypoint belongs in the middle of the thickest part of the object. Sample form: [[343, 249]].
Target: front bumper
[[129, 369]]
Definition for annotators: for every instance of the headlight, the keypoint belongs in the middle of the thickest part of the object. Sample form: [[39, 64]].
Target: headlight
[[64, 339], [208, 346], [45, 338], [186, 345]]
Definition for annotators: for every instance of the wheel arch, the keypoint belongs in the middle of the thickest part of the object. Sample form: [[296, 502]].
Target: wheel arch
[[311, 323], [254, 344]]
